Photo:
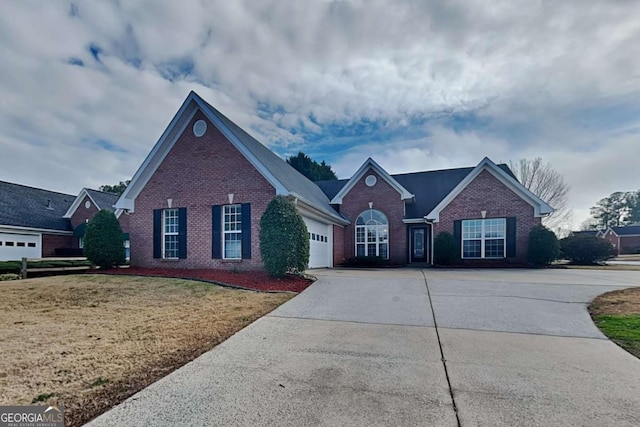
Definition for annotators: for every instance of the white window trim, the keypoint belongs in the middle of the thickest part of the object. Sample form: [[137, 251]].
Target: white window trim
[[483, 239], [165, 233], [225, 232], [378, 242]]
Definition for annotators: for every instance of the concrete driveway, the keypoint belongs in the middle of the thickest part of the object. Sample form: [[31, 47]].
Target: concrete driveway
[[363, 347]]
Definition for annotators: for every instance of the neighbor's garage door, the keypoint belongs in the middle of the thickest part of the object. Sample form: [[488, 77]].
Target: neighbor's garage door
[[16, 246], [320, 243]]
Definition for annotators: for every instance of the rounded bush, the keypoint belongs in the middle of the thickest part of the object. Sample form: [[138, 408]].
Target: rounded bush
[[543, 246], [103, 243], [284, 239], [445, 251], [586, 250]]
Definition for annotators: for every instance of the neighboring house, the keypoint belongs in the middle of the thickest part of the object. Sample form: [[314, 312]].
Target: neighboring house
[[197, 199], [37, 223], [625, 240], [85, 206]]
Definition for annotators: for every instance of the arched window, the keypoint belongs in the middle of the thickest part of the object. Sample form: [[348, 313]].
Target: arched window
[[372, 234]]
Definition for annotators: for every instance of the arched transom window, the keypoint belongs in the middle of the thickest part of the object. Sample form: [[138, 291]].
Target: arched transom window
[[372, 234]]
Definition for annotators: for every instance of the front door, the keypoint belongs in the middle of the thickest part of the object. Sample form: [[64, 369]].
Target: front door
[[419, 244]]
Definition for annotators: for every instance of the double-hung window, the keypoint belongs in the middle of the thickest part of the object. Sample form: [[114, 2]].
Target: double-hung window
[[170, 228], [484, 238], [232, 231]]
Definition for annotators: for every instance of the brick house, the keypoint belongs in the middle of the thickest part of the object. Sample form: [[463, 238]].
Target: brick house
[[197, 199], [625, 240], [38, 223]]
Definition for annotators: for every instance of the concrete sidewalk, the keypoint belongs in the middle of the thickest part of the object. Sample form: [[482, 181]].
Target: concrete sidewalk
[[360, 347]]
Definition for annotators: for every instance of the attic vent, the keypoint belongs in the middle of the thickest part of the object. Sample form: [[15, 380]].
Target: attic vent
[[49, 205], [199, 128]]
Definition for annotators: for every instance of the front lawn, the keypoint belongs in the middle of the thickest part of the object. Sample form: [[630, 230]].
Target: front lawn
[[617, 314], [89, 341]]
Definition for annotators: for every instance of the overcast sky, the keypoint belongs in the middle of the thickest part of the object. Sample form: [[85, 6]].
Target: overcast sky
[[87, 87]]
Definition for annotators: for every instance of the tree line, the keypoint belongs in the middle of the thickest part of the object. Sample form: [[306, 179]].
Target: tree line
[[618, 209]]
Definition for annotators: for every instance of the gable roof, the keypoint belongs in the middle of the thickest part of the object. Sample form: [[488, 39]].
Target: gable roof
[[540, 207], [23, 206], [100, 199], [282, 176], [371, 164], [429, 187], [629, 230]]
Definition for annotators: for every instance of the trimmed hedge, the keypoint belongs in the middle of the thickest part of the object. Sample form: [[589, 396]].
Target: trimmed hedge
[[103, 243], [445, 250], [284, 239], [366, 261], [586, 250], [543, 246], [15, 266]]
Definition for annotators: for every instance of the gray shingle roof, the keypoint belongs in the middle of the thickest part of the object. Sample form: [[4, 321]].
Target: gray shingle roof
[[293, 180], [103, 200], [429, 187], [24, 206], [627, 231]]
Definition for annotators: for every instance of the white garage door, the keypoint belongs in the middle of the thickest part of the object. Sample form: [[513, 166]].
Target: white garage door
[[320, 243], [15, 246]]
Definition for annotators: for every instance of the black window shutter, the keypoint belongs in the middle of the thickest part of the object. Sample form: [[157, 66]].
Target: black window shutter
[[246, 231], [511, 237], [457, 236], [182, 233], [157, 233], [216, 235]]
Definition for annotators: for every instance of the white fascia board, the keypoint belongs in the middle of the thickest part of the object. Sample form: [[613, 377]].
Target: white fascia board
[[415, 221], [609, 229], [158, 153], [370, 163], [16, 229], [320, 214], [540, 208], [260, 167], [168, 139], [76, 203]]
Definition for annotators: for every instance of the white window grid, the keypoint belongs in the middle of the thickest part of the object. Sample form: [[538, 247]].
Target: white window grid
[[232, 232], [484, 238], [372, 234], [170, 228]]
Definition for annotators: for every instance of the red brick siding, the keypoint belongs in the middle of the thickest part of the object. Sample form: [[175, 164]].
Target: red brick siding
[[385, 199], [198, 173], [338, 245], [52, 241], [629, 244], [486, 193], [83, 214], [124, 222]]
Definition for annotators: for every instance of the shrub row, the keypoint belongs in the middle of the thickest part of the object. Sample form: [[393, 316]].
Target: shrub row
[[544, 248], [15, 266]]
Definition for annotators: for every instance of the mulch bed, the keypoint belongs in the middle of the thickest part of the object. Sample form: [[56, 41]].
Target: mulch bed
[[251, 280]]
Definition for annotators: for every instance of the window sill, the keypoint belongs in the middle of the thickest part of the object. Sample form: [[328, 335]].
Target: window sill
[[230, 261], [169, 259]]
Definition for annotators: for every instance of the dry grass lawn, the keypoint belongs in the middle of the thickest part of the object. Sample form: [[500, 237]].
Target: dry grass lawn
[[89, 341]]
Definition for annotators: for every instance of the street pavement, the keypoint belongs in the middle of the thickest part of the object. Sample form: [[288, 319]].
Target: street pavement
[[366, 346]]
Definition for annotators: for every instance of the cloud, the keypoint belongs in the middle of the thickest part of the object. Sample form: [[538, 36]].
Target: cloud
[[416, 85]]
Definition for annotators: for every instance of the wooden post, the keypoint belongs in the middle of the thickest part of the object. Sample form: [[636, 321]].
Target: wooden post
[[23, 269]]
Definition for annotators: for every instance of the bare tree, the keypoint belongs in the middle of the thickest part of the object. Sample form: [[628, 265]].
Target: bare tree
[[548, 184]]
